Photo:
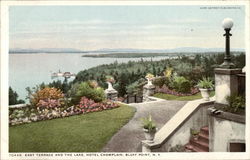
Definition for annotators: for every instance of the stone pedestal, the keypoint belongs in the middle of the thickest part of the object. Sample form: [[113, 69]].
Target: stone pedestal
[[226, 84], [148, 90], [111, 94]]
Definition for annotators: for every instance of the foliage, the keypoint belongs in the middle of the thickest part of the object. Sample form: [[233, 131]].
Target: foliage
[[13, 97], [148, 123], [134, 88], [110, 79], [127, 73], [183, 69], [205, 83], [45, 95], [168, 72], [236, 103], [177, 148], [93, 84], [82, 133], [63, 86], [87, 105], [150, 76], [196, 74], [86, 89], [122, 84], [181, 84], [194, 132], [160, 81]]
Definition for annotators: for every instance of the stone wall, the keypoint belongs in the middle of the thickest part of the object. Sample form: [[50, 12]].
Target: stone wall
[[225, 128], [177, 130]]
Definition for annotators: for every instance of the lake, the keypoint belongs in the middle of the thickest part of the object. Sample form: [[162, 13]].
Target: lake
[[29, 70]]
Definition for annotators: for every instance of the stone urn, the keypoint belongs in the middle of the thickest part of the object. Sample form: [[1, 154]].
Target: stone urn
[[205, 93], [149, 135], [149, 81], [110, 87]]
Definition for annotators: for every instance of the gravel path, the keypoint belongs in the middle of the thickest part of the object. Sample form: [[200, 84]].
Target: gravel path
[[128, 138]]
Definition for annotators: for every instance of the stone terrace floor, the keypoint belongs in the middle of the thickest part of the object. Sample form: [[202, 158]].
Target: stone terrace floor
[[128, 138]]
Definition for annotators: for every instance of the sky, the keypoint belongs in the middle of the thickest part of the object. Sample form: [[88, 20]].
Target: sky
[[141, 27]]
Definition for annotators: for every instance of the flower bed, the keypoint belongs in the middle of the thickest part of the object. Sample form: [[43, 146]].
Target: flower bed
[[28, 115], [165, 89]]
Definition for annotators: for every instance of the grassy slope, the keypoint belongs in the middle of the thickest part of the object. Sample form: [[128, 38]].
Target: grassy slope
[[180, 98], [81, 133]]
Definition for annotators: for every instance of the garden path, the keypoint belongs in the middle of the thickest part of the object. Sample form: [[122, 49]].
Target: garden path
[[128, 138]]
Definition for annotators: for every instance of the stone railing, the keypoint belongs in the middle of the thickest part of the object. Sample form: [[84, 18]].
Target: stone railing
[[177, 130], [233, 124]]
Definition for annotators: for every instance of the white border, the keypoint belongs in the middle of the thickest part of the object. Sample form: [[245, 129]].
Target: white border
[[4, 76]]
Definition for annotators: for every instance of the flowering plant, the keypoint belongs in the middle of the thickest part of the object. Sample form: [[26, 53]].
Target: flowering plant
[[87, 105], [110, 79], [49, 103], [150, 76], [47, 95], [168, 72]]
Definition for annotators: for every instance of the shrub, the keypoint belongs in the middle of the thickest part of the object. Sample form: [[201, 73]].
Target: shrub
[[85, 89], [160, 81], [46, 95], [205, 83], [181, 84], [236, 103]]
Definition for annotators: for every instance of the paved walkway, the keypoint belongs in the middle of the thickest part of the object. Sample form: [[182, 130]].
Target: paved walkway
[[128, 138]]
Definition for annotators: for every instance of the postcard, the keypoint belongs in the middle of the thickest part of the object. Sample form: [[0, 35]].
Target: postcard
[[124, 80]]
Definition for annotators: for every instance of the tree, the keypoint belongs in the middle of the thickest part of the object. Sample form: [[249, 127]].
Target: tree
[[122, 83], [13, 97]]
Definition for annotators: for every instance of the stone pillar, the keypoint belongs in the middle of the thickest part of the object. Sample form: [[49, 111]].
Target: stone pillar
[[148, 90], [226, 84], [111, 94]]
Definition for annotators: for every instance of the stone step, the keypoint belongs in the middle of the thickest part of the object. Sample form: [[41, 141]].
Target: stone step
[[203, 137], [190, 148], [199, 144], [204, 130]]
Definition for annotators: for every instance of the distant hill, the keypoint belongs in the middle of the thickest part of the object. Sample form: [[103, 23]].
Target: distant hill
[[174, 50], [123, 50], [46, 50]]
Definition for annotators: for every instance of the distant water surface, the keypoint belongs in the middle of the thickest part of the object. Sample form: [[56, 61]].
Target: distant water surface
[[29, 70]]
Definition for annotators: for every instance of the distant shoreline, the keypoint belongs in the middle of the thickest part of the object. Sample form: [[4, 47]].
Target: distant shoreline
[[129, 54], [148, 55]]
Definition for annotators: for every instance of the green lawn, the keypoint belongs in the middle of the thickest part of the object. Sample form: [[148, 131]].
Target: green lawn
[[180, 98], [80, 133]]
